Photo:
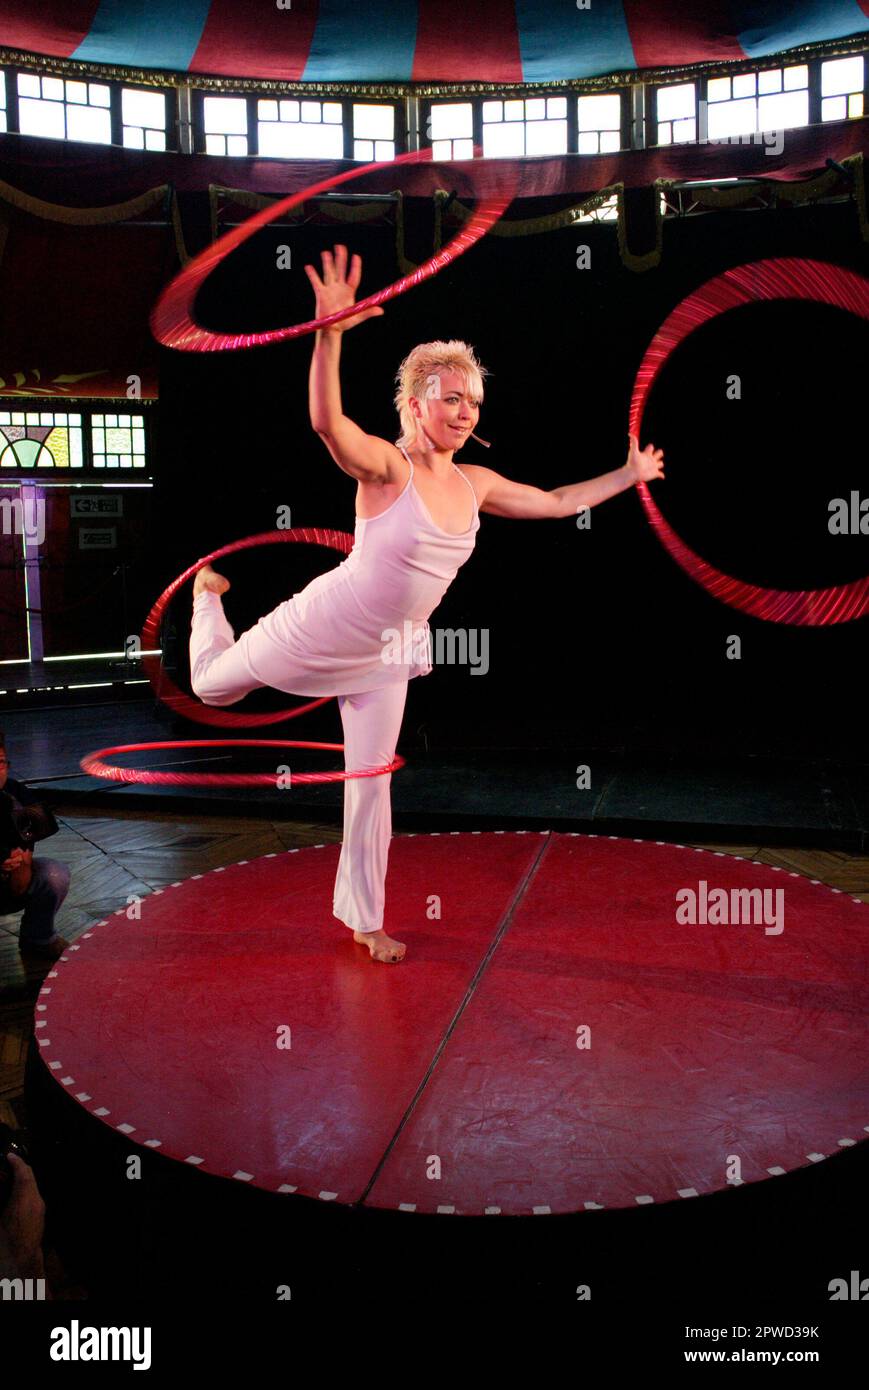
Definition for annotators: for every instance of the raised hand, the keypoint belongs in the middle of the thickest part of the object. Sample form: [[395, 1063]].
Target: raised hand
[[645, 464], [337, 289]]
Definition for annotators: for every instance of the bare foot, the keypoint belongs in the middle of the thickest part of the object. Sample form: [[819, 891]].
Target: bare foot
[[381, 946], [207, 578]]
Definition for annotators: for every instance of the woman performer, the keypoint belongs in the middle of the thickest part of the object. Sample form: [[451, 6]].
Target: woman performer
[[416, 524]]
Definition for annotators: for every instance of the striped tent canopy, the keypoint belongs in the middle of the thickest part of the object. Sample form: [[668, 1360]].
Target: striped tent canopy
[[421, 41]]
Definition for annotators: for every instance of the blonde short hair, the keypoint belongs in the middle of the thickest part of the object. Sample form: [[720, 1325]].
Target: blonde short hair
[[425, 361]]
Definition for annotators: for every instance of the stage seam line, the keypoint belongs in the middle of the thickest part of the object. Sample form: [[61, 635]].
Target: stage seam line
[[507, 917]]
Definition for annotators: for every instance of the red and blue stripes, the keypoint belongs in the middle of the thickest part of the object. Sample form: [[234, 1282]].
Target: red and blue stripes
[[427, 41]]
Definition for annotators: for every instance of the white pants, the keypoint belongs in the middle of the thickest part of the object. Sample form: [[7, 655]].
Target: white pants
[[371, 722]]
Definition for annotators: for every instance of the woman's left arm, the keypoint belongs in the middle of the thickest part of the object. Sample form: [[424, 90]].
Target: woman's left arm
[[503, 497]]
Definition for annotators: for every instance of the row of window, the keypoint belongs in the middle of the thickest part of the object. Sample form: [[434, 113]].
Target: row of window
[[32, 441], [717, 108]]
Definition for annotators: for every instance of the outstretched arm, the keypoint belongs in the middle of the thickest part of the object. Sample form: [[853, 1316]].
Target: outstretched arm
[[362, 455], [503, 497]]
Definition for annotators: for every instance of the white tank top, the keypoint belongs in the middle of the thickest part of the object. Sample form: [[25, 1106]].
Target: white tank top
[[334, 634]]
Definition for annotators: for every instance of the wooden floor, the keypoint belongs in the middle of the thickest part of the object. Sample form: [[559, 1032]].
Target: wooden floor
[[117, 853]]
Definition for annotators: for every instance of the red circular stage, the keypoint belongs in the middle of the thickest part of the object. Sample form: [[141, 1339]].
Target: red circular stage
[[559, 1037]]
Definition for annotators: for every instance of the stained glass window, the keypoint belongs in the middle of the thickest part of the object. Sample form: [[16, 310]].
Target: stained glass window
[[44, 439], [34, 439], [118, 441]]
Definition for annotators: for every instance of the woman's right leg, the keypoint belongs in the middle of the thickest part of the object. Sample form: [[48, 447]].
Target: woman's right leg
[[371, 722], [218, 672]]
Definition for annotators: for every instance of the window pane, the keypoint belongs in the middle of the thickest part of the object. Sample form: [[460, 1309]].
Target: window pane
[[604, 112], [77, 92], [546, 137], [226, 115], [373, 122], [155, 139], [493, 110], [28, 85], [300, 141], [236, 144], [535, 109], [503, 140], [785, 109], [143, 108], [733, 118], [840, 75], [675, 101], [796, 77], [89, 123], [834, 108], [769, 81], [451, 119], [276, 140], [745, 84], [718, 89], [267, 110], [100, 95], [52, 88], [289, 111], [333, 112], [134, 137], [685, 130], [41, 118], [556, 107]]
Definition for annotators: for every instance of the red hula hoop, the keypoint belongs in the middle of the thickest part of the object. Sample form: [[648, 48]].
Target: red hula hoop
[[784, 278], [165, 688], [95, 765], [172, 321]]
